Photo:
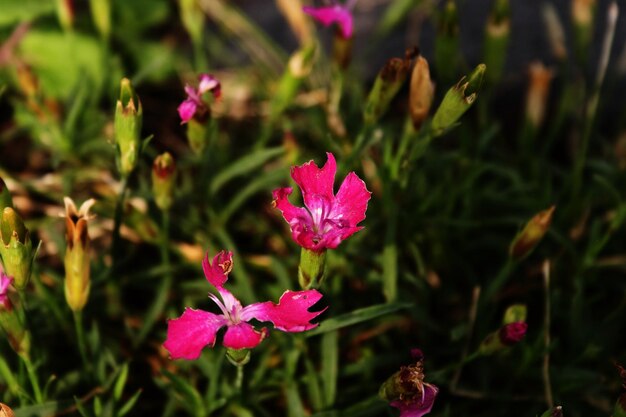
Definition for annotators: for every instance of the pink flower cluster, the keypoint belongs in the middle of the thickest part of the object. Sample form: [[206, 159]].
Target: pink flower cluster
[[195, 329], [327, 219], [194, 105]]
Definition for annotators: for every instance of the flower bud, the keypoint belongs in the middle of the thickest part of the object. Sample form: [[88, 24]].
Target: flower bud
[[5, 411], [389, 80], [128, 119], [583, 13], [299, 66], [447, 42], [16, 248], [422, 92], [312, 268], [5, 196], [508, 335], [540, 78], [101, 16], [163, 177], [65, 13], [497, 33], [530, 236], [342, 50], [10, 322], [515, 313], [77, 276], [457, 101]]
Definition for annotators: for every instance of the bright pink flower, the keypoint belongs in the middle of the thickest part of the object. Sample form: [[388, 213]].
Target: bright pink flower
[[194, 103], [331, 14], [5, 281], [420, 405], [327, 219], [512, 333], [195, 329]]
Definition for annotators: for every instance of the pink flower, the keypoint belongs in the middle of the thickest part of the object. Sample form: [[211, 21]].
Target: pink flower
[[5, 281], [194, 103], [195, 329], [420, 405], [331, 14], [512, 333], [327, 219]]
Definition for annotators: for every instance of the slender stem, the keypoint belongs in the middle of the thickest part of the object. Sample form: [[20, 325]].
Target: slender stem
[[500, 279], [119, 211], [239, 379], [32, 376], [80, 337], [470, 330], [547, 386]]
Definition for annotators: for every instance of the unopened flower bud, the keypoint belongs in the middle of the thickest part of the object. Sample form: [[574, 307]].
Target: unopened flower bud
[[16, 248], [457, 101], [555, 31], [514, 313], [299, 66], [540, 78], [128, 119], [531, 234], [65, 13], [508, 335], [101, 16], [10, 322], [583, 13], [342, 50], [497, 33], [422, 92], [77, 275], [447, 42], [5, 411], [387, 84], [5, 196], [163, 177], [5, 301], [312, 268]]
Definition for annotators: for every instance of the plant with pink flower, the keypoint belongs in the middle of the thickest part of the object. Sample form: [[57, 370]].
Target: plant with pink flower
[[327, 218], [195, 329], [336, 13], [194, 105]]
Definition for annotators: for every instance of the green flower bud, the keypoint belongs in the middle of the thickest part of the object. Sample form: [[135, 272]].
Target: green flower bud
[[514, 314], [77, 276], [387, 84], [101, 16], [17, 334], [497, 33], [312, 268], [457, 101], [5, 196], [531, 234], [163, 177], [447, 42], [128, 119], [583, 15], [16, 248]]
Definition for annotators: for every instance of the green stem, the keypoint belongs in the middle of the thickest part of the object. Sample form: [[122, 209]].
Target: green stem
[[239, 379], [500, 279], [32, 376], [119, 211], [80, 337]]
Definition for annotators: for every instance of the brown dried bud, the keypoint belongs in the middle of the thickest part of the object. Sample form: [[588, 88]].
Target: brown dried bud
[[531, 235], [422, 92]]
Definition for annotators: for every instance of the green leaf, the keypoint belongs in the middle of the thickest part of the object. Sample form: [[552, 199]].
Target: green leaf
[[244, 165], [330, 359], [42, 410], [191, 399], [356, 316], [129, 404], [120, 383]]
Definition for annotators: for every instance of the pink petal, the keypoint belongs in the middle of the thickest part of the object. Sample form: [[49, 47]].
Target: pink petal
[[5, 281], [316, 183], [298, 218], [335, 236], [290, 314], [243, 336], [216, 272], [331, 14], [351, 201], [209, 83], [186, 110], [419, 407], [191, 332]]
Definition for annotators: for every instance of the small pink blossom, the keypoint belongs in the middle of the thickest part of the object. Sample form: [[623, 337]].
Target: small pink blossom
[[420, 405], [195, 329], [5, 281], [327, 219], [333, 14], [194, 103], [512, 333]]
